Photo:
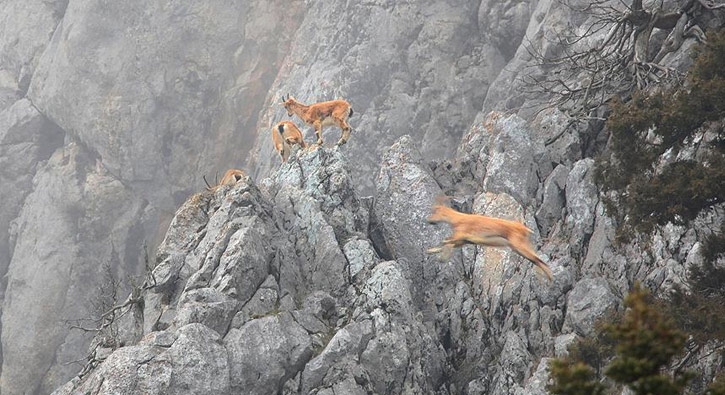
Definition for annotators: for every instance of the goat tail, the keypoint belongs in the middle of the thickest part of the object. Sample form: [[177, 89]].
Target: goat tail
[[350, 113], [544, 268]]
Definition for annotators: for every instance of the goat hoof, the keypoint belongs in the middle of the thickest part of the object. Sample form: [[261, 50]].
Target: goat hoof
[[341, 142], [434, 250]]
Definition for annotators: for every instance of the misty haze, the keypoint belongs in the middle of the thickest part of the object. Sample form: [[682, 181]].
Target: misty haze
[[170, 223]]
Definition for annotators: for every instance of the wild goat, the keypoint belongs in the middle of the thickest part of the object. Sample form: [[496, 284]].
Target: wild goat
[[284, 135], [485, 231], [231, 177], [333, 112]]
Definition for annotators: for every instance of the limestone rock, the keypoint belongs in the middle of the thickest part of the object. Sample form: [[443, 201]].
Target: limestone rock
[[51, 280], [192, 360], [156, 88], [265, 352], [26, 139], [581, 201], [590, 299], [407, 68], [554, 199]]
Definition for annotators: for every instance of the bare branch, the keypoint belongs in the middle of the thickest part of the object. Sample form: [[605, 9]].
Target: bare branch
[[578, 79], [710, 4]]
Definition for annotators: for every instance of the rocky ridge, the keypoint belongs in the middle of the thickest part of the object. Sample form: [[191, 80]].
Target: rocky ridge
[[298, 285]]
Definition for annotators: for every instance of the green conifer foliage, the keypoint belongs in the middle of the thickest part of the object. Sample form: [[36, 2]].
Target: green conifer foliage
[[718, 386], [646, 343], [653, 123], [573, 378]]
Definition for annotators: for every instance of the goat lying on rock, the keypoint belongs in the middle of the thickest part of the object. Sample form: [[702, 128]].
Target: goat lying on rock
[[231, 177]]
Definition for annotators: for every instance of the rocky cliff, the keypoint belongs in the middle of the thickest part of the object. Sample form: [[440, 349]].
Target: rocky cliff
[[314, 270], [296, 284]]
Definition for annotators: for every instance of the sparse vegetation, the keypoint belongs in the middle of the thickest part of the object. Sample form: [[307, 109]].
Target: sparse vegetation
[[713, 247], [599, 348], [612, 53], [645, 342], [574, 378], [107, 310], [643, 190], [700, 310]]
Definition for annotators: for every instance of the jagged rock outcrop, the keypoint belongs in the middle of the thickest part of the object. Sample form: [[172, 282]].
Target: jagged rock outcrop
[[156, 95], [267, 273], [288, 283], [388, 328]]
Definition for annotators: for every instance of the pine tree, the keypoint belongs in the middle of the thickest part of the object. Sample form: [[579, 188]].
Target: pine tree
[[573, 378], [646, 342]]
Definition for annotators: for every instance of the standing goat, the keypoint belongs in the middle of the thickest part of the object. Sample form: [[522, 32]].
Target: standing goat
[[333, 112], [284, 135], [231, 177], [485, 231]]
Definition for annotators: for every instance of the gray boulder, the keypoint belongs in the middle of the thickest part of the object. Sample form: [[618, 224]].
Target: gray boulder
[[192, 360], [582, 197], [550, 210], [265, 352], [406, 190], [517, 160], [589, 300]]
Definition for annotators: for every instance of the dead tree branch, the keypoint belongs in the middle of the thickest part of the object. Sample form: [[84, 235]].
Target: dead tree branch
[[578, 69]]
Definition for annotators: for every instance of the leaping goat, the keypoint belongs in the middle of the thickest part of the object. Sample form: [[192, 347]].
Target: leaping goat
[[485, 231]]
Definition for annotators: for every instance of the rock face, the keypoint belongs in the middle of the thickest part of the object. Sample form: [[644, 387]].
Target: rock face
[[111, 112], [420, 68], [108, 218], [137, 102], [298, 286], [266, 274], [241, 267]]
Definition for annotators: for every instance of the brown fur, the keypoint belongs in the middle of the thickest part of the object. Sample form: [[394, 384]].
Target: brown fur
[[289, 135], [486, 231], [231, 177], [333, 112]]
